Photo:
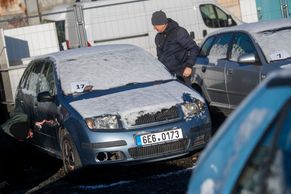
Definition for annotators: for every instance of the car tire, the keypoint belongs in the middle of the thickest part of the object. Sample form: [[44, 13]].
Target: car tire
[[70, 155]]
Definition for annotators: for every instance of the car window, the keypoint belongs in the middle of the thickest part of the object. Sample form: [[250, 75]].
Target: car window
[[220, 47], [23, 79], [242, 45], [214, 17], [268, 170], [32, 78], [206, 47], [46, 78]]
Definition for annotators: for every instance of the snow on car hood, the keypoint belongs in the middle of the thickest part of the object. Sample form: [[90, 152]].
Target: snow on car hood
[[110, 66], [130, 104], [275, 44]]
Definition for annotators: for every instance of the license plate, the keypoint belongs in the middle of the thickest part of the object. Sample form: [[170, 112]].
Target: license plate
[[153, 138]]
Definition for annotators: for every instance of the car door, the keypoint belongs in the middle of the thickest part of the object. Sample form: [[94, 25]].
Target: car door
[[213, 70], [26, 94], [21, 94], [241, 78], [45, 111], [270, 159]]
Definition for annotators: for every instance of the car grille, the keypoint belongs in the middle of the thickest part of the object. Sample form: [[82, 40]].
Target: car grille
[[156, 150], [164, 114]]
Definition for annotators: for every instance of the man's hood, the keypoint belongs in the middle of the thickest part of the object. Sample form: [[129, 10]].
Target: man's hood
[[171, 25], [130, 104]]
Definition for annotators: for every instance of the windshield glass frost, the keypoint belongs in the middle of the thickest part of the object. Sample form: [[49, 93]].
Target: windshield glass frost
[[109, 69], [275, 45]]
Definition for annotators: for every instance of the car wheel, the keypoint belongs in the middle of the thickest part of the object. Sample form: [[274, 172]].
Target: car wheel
[[70, 155]]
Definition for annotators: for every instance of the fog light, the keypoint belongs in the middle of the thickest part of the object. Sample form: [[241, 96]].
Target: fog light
[[109, 156]]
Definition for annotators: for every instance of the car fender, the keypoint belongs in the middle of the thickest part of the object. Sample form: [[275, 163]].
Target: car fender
[[74, 128], [197, 84]]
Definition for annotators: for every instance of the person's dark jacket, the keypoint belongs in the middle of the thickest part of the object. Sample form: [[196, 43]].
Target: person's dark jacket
[[175, 48]]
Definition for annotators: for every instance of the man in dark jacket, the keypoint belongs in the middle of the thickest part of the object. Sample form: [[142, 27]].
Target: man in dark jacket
[[175, 48]]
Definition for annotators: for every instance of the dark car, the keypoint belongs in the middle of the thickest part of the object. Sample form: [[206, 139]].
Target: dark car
[[109, 104], [234, 60], [251, 152]]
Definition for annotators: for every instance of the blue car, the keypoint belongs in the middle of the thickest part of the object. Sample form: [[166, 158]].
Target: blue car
[[251, 152], [106, 105]]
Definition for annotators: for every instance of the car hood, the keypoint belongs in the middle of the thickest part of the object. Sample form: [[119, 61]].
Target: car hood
[[132, 103]]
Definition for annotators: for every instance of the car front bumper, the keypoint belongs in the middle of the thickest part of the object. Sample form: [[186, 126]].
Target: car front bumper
[[121, 147]]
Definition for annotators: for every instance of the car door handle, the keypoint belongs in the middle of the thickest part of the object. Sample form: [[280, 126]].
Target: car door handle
[[203, 69], [229, 71]]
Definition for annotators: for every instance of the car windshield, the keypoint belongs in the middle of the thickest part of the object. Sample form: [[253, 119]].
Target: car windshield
[[107, 69], [275, 43]]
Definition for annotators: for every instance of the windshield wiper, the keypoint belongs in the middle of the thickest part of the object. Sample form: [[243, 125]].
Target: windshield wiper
[[132, 83], [276, 30], [150, 82], [280, 59]]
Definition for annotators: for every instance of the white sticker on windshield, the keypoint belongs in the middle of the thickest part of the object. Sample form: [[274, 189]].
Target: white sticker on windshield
[[279, 54], [79, 86]]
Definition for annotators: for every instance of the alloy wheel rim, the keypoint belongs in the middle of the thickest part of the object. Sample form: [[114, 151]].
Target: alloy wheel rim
[[69, 158]]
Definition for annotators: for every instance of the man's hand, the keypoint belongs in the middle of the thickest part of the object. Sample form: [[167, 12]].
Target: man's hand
[[187, 71]]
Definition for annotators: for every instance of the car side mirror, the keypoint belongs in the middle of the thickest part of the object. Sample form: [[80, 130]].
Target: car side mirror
[[45, 97], [229, 21], [248, 58]]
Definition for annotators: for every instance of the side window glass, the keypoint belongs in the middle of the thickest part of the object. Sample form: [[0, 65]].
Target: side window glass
[[32, 80], [220, 47], [242, 45], [47, 82], [208, 14], [206, 47], [270, 162], [24, 80], [43, 82], [221, 15], [224, 20], [214, 17]]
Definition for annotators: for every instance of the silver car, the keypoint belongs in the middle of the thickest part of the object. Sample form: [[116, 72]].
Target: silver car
[[234, 60], [109, 104]]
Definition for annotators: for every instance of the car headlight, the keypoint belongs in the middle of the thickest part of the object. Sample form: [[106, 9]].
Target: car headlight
[[191, 109], [103, 122]]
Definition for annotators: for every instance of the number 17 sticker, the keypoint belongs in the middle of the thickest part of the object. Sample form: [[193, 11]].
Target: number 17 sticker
[[279, 54], [79, 86]]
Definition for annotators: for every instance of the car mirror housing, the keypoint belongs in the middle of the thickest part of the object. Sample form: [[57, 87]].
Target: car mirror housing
[[248, 58], [45, 97], [229, 21]]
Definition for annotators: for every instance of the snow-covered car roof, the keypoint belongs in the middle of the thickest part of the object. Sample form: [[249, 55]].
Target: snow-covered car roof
[[107, 66], [256, 27]]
